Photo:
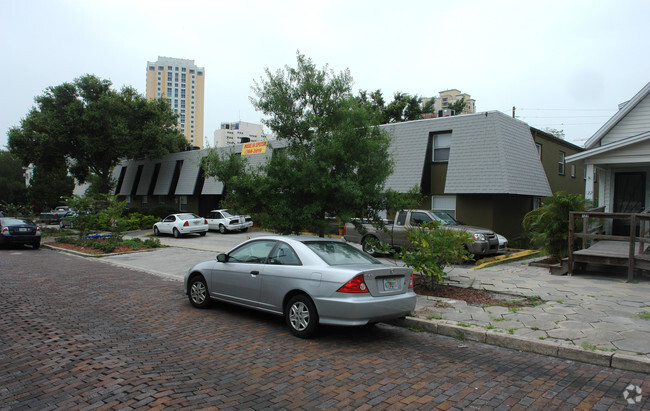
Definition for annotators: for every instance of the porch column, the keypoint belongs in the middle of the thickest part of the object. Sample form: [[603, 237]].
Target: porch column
[[589, 183]]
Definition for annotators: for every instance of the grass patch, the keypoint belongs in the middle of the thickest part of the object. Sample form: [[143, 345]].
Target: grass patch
[[464, 325], [587, 346], [644, 315], [512, 330]]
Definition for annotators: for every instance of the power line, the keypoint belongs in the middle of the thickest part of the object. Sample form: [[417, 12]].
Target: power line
[[567, 109]]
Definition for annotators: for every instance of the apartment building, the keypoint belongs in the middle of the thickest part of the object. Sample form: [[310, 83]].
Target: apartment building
[[447, 97], [182, 83], [238, 132]]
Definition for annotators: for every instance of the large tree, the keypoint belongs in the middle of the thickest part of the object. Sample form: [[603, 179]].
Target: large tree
[[12, 180], [88, 127], [335, 161]]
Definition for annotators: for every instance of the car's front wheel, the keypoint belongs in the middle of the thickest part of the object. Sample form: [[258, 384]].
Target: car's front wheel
[[198, 292], [301, 316]]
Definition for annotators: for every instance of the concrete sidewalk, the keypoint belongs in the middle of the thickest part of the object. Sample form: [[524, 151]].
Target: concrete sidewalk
[[595, 316]]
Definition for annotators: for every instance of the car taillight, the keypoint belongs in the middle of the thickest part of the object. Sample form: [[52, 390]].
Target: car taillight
[[5, 230], [38, 229], [355, 285], [205, 221], [186, 224], [411, 280]]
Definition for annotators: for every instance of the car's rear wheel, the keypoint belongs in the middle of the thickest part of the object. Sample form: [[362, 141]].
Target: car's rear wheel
[[222, 229], [301, 316], [61, 225], [243, 230], [156, 231], [368, 244], [176, 233], [198, 292], [202, 233], [36, 246]]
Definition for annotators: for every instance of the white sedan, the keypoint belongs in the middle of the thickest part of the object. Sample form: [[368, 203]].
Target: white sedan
[[182, 223], [228, 220]]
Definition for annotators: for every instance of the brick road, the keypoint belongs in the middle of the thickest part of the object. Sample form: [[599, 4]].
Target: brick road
[[81, 334]]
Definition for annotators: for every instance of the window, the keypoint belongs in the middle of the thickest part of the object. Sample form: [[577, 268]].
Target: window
[[537, 202], [418, 218], [573, 171], [561, 163], [441, 147], [152, 68], [539, 150], [252, 253], [444, 203], [283, 254], [182, 203]]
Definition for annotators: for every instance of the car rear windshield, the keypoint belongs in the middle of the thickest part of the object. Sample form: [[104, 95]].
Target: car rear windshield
[[15, 221], [339, 253], [188, 216]]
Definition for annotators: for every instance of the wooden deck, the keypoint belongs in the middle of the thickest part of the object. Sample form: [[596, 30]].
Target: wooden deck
[[632, 251]]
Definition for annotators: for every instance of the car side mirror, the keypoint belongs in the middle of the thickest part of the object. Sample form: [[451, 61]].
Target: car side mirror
[[222, 258]]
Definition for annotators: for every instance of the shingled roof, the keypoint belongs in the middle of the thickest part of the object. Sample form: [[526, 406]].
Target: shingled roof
[[491, 153]]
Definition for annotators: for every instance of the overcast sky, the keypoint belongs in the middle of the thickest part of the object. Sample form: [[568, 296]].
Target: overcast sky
[[563, 64]]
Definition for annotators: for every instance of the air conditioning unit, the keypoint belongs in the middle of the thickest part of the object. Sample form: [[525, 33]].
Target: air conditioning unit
[[446, 113]]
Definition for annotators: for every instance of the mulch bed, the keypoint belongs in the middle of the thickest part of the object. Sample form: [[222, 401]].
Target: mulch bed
[[121, 248]]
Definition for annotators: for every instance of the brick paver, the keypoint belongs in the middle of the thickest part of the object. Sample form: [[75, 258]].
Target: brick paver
[[81, 334]]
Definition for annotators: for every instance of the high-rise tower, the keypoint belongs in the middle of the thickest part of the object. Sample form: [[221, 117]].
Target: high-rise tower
[[181, 82]]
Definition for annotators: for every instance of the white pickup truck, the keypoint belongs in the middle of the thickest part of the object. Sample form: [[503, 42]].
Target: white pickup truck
[[486, 242]]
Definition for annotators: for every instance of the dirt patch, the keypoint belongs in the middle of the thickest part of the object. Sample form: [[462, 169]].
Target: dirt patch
[[471, 296]]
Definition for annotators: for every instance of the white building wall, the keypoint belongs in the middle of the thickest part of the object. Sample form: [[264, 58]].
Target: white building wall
[[634, 123], [237, 132]]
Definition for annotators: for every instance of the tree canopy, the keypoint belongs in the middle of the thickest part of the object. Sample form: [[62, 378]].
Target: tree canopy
[[458, 106], [12, 180], [86, 128], [334, 160], [404, 107]]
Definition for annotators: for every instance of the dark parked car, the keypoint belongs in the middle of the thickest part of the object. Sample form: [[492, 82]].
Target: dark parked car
[[19, 230]]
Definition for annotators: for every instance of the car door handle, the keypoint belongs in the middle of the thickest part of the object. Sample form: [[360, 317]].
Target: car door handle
[[255, 272]]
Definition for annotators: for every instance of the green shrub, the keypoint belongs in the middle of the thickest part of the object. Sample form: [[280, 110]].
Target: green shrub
[[548, 226], [433, 247]]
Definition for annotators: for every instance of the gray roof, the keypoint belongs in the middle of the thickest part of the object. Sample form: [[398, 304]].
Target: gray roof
[[189, 172], [491, 153], [145, 178], [129, 177]]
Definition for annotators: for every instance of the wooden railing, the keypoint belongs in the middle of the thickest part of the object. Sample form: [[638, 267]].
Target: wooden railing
[[621, 250]]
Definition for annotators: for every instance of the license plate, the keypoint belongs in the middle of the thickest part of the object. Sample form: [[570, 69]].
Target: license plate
[[391, 284], [23, 230]]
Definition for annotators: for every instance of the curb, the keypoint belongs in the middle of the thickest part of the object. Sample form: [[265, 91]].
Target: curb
[[566, 352]]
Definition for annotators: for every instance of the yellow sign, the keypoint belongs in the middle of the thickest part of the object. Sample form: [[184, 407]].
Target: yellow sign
[[254, 148]]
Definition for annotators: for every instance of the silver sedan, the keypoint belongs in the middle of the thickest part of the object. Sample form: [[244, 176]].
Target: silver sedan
[[308, 280]]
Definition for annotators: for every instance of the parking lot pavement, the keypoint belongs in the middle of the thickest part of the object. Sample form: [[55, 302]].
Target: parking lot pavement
[[82, 334], [595, 319]]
